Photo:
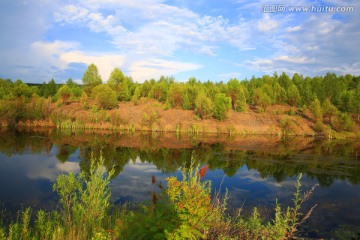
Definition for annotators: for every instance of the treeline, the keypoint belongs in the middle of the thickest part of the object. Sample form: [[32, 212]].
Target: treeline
[[331, 99]]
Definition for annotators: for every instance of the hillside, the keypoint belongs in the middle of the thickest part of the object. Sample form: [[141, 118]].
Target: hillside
[[150, 115]]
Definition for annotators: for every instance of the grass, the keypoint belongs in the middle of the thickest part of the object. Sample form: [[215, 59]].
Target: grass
[[182, 210]]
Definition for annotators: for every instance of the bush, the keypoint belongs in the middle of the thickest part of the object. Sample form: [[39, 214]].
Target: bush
[[64, 93], [104, 97], [286, 126], [203, 106], [343, 122], [221, 104]]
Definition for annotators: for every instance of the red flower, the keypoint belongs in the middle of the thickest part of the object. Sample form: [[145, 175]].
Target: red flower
[[203, 171]]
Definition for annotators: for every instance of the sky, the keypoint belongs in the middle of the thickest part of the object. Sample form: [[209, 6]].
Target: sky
[[210, 40]]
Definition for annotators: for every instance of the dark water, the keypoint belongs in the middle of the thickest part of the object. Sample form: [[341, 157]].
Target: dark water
[[255, 170]]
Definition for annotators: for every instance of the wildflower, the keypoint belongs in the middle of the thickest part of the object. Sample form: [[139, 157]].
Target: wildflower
[[203, 171]]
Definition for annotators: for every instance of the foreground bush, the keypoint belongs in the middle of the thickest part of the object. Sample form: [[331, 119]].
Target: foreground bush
[[183, 210]]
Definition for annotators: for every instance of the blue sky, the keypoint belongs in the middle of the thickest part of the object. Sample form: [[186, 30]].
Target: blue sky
[[209, 40]]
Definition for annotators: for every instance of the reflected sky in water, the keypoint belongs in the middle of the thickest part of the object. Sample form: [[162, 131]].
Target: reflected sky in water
[[254, 176]]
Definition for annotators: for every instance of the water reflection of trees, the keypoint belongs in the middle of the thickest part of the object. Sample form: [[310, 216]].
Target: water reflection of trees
[[325, 161]]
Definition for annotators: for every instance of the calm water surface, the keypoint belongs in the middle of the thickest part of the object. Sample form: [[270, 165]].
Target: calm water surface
[[255, 170]]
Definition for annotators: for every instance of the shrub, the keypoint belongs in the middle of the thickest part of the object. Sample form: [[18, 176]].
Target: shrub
[[316, 110], [64, 93], [286, 126], [104, 97], [343, 122], [221, 104], [203, 106]]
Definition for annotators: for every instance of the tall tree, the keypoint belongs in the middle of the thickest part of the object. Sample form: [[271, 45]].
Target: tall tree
[[91, 78], [329, 109], [234, 90], [293, 95], [316, 110], [221, 104]]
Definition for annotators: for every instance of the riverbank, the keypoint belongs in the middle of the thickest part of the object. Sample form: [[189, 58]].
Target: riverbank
[[150, 115]]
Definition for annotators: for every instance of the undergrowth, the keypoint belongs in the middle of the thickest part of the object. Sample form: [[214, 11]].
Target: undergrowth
[[182, 210]]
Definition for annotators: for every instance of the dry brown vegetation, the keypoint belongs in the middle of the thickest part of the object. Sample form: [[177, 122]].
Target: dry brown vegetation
[[150, 115]]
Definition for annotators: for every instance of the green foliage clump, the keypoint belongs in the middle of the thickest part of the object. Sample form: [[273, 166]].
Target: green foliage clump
[[329, 109], [104, 97], [203, 106], [176, 95], [316, 110], [343, 122], [84, 203], [221, 104], [293, 95], [120, 84], [64, 93], [261, 99], [286, 126], [91, 78]]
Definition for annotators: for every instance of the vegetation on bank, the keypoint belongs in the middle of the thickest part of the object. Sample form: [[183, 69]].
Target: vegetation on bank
[[184, 209], [331, 103]]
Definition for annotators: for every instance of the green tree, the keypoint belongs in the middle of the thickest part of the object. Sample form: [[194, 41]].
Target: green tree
[[221, 104], [176, 95], [104, 97], [49, 89], [316, 110], [329, 109], [234, 90], [241, 103], [284, 81], [261, 99], [159, 90], [64, 93], [22, 90], [343, 122], [120, 84], [136, 96], [293, 95], [76, 90], [203, 106], [280, 94], [91, 78], [347, 101]]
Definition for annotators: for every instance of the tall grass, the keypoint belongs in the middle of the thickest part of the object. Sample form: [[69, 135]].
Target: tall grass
[[183, 210]]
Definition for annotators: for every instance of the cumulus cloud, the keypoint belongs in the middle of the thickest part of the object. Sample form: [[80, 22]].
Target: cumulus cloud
[[153, 68], [145, 37], [60, 55]]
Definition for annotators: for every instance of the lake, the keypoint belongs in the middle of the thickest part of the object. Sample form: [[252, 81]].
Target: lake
[[255, 169]]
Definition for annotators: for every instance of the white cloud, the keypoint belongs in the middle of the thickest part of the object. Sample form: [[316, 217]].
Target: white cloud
[[60, 55], [267, 24], [227, 76], [153, 68], [104, 61]]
